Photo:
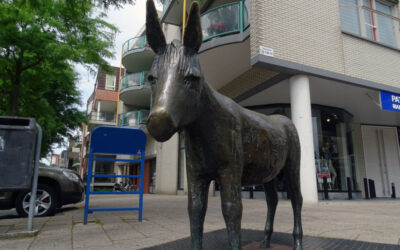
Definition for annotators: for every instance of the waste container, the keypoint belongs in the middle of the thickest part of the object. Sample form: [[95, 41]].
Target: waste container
[[17, 152]]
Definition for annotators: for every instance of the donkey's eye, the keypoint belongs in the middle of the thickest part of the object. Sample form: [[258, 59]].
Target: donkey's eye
[[191, 78], [151, 78]]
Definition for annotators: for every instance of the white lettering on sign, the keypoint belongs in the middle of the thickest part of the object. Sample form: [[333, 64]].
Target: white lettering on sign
[[396, 106], [266, 51], [2, 144], [396, 99]]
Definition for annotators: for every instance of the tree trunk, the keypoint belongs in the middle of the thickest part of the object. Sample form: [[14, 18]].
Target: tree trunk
[[14, 98]]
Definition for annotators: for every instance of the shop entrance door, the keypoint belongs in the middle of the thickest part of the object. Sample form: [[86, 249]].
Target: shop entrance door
[[382, 159]]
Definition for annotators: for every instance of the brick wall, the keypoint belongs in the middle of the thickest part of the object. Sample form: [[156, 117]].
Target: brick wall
[[309, 33], [106, 95], [101, 78], [101, 93]]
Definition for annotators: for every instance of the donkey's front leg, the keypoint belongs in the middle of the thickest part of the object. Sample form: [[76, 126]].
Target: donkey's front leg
[[197, 198], [231, 202]]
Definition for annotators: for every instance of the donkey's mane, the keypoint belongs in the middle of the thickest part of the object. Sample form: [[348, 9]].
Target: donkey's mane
[[174, 53]]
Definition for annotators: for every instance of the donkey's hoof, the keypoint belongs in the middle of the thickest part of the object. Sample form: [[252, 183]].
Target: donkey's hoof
[[265, 244]]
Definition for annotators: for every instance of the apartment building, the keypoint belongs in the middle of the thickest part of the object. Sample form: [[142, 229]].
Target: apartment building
[[101, 109], [135, 104], [333, 67]]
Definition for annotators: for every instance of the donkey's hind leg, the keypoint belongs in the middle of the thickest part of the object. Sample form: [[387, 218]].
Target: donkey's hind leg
[[272, 201], [292, 175]]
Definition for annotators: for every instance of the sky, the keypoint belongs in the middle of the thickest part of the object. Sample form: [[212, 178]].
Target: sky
[[129, 20]]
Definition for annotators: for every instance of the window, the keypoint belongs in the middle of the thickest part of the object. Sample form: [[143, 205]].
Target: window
[[386, 25], [334, 151], [110, 82], [349, 16], [372, 19]]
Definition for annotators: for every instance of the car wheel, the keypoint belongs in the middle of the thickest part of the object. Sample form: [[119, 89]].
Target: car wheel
[[46, 201]]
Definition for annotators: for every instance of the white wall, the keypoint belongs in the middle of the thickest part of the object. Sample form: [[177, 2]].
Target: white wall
[[167, 166]]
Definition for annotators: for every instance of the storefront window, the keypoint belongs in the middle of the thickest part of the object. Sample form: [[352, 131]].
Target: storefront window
[[333, 148], [333, 145]]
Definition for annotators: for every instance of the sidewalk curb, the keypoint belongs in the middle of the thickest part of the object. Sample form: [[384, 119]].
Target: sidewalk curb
[[19, 234]]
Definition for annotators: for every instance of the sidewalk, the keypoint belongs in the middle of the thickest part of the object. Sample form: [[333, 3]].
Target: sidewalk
[[165, 219]]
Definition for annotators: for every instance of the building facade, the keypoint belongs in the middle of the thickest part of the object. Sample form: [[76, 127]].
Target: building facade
[[101, 109], [325, 64]]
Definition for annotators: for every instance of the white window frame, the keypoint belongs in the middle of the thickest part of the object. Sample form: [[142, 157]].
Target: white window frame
[[109, 87], [394, 16]]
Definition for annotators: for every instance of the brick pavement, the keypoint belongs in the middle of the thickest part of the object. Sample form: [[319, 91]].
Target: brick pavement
[[165, 220]]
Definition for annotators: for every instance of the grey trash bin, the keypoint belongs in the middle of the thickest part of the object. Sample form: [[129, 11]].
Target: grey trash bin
[[17, 152]]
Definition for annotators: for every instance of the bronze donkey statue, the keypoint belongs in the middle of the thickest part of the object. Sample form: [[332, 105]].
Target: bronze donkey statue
[[223, 141]]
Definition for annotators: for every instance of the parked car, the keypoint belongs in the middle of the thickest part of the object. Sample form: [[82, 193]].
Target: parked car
[[56, 187]]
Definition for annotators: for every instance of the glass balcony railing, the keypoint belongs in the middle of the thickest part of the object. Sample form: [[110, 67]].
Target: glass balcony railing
[[134, 43], [133, 118], [166, 4], [102, 116], [225, 19], [134, 80]]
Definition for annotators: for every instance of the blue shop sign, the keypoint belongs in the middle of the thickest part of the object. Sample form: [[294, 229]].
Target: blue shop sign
[[390, 101]]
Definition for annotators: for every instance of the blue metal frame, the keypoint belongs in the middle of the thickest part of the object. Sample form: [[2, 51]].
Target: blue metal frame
[[115, 141]]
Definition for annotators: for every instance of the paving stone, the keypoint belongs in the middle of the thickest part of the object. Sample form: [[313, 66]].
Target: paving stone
[[16, 244], [165, 220], [91, 235], [50, 242]]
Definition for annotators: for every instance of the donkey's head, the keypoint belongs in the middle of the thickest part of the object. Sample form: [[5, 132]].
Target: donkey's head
[[175, 76]]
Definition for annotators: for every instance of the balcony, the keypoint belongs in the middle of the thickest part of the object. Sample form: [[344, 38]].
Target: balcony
[[136, 54], [225, 42], [172, 10], [225, 19], [166, 4], [101, 118], [133, 118], [135, 90]]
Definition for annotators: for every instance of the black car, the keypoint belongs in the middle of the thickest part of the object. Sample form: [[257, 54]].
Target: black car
[[56, 187]]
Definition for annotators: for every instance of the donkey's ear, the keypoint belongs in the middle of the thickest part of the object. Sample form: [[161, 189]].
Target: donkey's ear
[[193, 34], [154, 33]]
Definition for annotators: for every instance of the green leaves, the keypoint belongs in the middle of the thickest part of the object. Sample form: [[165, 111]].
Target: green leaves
[[40, 40]]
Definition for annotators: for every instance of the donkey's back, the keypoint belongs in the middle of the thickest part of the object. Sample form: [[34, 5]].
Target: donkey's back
[[268, 143]]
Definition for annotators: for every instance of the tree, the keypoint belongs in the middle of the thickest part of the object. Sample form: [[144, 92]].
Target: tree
[[39, 42]]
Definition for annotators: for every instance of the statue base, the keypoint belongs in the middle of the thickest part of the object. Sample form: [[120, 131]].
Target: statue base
[[217, 240], [256, 246]]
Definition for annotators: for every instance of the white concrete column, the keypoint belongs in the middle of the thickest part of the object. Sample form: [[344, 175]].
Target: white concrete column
[[98, 109], [300, 102], [167, 166]]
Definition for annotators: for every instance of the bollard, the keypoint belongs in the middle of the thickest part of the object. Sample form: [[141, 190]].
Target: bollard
[[366, 189], [371, 184], [326, 188], [393, 191], [349, 190], [251, 192]]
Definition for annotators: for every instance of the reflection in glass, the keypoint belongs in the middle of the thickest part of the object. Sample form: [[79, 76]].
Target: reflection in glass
[[133, 118], [134, 43], [334, 152], [333, 148], [221, 20], [136, 79], [349, 16], [369, 27], [246, 13]]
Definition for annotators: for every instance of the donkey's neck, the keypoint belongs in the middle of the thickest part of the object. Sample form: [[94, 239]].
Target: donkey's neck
[[214, 106]]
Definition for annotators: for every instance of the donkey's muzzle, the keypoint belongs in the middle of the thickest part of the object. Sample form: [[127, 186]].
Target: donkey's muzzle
[[160, 125]]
